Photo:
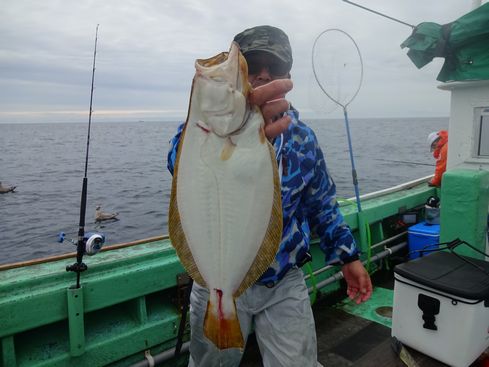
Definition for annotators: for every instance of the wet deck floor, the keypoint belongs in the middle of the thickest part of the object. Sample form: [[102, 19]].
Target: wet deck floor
[[347, 340]]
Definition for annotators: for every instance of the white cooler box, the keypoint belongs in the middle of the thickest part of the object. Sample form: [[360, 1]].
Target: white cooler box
[[441, 307]]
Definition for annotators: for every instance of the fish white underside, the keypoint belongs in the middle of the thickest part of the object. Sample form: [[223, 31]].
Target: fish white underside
[[225, 204]]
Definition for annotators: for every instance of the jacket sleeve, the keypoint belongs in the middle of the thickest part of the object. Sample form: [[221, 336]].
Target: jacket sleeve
[[172, 152], [323, 213]]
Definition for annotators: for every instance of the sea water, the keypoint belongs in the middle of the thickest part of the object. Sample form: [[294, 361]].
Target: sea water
[[127, 174]]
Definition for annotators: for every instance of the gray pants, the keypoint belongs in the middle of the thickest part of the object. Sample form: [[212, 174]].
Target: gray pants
[[282, 318]]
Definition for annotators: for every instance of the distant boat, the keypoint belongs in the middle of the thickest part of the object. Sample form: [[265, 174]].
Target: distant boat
[[101, 216], [5, 189]]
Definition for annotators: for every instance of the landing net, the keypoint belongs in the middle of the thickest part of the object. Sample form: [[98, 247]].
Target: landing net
[[338, 70]]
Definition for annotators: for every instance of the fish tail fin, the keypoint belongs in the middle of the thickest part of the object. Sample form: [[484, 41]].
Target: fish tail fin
[[223, 330]]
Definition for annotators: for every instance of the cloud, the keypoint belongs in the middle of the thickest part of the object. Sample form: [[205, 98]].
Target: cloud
[[147, 49]]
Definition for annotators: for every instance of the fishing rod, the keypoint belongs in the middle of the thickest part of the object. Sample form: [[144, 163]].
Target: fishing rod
[[379, 13], [405, 162], [94, 243]]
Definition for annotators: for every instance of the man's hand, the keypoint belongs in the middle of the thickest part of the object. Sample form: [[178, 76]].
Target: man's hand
[[358, 281], [271, 100]]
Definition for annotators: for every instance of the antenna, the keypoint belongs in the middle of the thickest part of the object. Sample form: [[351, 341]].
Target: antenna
[[79, 266]]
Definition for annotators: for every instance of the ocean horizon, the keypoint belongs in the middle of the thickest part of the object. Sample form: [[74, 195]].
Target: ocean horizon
[[127, 174]]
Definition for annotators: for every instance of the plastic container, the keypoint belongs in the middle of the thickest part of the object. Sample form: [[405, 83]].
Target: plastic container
[[422, 236], [431, 215], [441, 307]]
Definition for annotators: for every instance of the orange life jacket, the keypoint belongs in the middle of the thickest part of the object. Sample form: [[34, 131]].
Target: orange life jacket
[[440, 154]]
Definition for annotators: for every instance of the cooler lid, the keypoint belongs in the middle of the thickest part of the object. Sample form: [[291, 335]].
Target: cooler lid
[[448, 273], [424, 228]]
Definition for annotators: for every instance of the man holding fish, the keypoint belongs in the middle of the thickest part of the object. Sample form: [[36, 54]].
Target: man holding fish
[[270, 293]]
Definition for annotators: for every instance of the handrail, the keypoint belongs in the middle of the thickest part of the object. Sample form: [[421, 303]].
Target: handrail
[[404, 186]]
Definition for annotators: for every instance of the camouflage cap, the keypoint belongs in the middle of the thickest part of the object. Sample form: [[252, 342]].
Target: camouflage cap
[[268, 39]]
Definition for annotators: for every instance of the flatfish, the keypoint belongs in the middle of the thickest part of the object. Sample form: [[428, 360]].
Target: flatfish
[[225, 216]]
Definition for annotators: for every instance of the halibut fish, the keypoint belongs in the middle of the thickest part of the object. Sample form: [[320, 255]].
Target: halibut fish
[[225, 216]]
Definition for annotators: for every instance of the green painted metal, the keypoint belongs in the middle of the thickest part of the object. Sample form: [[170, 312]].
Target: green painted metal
[[75, 321], [116, 323], [376, 232], [362, 230], [8, 351], [381, 298], [139, 307], [379, 208], [129, 298], [113, 277], [465, 199]]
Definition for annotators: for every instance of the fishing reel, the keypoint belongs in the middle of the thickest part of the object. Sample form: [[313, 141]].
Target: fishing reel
[[93, 242]]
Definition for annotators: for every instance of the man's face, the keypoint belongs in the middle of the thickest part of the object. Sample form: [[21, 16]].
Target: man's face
[[264, 67]]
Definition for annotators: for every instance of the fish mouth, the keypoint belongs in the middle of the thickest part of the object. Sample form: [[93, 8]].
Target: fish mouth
[[231, 63]]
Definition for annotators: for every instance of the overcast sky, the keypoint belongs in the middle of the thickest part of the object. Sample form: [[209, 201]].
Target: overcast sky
[[147, 49]]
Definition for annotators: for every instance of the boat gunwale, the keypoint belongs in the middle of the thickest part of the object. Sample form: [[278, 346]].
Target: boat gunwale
[[68, 255], [404, 186]]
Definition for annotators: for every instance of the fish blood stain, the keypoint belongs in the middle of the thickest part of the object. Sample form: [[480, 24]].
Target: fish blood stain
[[219, 304]]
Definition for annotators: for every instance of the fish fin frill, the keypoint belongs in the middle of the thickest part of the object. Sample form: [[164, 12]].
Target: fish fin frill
[[273, 236], [223, 332], [177, 236]]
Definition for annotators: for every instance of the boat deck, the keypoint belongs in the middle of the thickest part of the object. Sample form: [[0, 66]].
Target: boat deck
[[345, 339]]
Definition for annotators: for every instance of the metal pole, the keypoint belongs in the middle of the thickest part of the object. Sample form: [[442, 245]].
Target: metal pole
[[339, 275], [163, 356], [352, 160], [382, 243]]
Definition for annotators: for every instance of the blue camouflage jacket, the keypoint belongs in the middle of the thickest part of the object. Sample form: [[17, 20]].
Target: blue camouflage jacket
[[308, 201]]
